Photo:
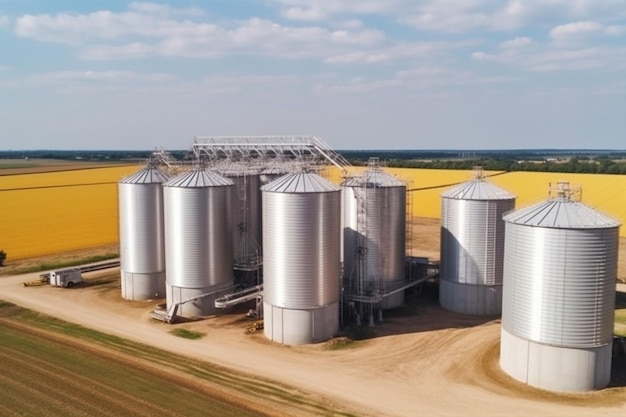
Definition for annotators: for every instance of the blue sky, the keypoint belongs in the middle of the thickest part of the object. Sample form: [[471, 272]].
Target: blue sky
[[370, 74]]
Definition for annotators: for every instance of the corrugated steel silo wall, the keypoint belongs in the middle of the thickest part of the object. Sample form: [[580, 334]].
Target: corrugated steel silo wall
[[559, 285], [472, 240], [301, 249], [385, 229], [142, 248], [386, 233], [198, 236]]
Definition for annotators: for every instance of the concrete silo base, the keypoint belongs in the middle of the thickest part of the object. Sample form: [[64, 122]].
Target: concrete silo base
[[470, 299], [555, 368], [197, 307], [138, 287], [297, 327]]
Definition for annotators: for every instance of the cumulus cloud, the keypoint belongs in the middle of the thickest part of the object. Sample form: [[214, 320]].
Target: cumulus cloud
[[307, 14], [308, 10], [153, 30], [518, 42], [461, 16], [576, 30]]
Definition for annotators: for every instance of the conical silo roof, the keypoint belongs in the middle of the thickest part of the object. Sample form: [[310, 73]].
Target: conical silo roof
[[561, 213], [300, 182], [199, 178], [146, 175], [478, 189], [374, 178]]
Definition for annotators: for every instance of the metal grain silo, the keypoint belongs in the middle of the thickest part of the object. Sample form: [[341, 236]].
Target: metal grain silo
[[246, 215], [301, 238], [142, 251], [560, 268], [198, 241], [374, 236], [472, 246]]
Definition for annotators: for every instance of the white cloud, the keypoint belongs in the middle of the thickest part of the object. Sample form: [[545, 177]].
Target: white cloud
[[308, 10], [518, 42], [111, 76], [541, 58], [357, 57], [461, 16], [615, 30], [148, 30], [112, 52], [309, 14], [164, 10], [481, 56], [574, 31]]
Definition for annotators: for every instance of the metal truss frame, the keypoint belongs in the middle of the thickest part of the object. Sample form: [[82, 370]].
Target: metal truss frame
[[266, 151]]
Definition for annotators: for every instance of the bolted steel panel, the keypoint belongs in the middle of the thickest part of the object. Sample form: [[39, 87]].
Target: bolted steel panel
[[301, 219], [198, 236], [559, 284]]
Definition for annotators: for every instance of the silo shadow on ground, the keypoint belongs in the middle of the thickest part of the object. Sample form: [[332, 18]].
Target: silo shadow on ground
[[421, 312]]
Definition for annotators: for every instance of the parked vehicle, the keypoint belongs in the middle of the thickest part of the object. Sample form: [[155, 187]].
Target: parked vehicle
[[66, 278]]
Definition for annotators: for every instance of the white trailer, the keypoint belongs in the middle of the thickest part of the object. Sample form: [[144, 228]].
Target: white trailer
[[66, 277]]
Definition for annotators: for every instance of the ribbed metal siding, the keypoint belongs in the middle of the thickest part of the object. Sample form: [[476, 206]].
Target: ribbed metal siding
[[142, 248], [559, 284], [301, 248], [472, 240], [198, 234], [384, 228]]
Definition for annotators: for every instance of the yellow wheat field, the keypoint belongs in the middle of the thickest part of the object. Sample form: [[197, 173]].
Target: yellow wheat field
[[605, 193], [59, 211], [63, 211]]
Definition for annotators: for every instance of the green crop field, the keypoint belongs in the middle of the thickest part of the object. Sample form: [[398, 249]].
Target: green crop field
[[49, 367]]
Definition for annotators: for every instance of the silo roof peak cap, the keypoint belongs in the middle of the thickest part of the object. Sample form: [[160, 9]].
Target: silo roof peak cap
[[479, 173]]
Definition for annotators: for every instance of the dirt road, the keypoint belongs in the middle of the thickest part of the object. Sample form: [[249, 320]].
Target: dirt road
[[425, 362]]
